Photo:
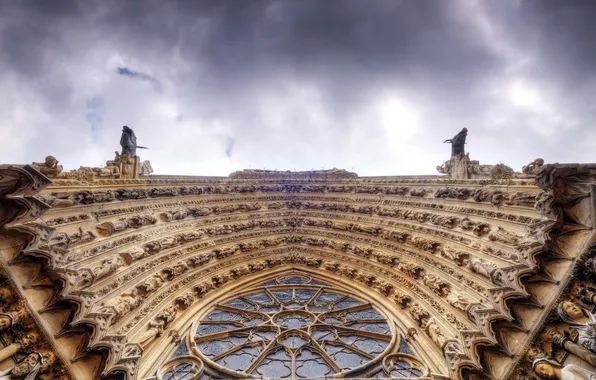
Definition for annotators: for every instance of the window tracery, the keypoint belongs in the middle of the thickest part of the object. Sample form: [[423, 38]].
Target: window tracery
[[297, 327]]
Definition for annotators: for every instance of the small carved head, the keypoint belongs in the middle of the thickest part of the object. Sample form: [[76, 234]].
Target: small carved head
[[51, 161], [6, 322], [26, 365], [546, 369], [570, 311]]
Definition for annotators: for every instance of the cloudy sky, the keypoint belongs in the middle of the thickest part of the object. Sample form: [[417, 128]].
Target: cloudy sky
[[372, 86]]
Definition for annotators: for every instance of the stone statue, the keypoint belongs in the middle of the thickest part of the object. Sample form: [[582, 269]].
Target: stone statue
[[458, 301], [434, 332], [108, 266], [128, 141], [551, 370], [112, 168], [49, 167], [582, 320], [145, 168], [26, 369], [533, 167], [457, 142], [6, 322], [128, 165], [121, 304], [133, 254], [158, 325], [480, 266]]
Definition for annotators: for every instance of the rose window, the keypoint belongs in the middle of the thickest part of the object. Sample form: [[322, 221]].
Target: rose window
[[293, 327]]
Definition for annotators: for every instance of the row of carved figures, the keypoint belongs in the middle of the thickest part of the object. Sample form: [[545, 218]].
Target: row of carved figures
[[493, 196], [499, 235], [122, 166]]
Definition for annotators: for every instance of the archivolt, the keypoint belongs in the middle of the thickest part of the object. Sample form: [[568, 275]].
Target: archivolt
[[446, 259]]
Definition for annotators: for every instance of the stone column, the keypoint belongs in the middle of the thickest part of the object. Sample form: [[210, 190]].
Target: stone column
[[562, 341], [9, 350]]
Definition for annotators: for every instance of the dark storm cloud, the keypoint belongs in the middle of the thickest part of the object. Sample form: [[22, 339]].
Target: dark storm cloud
[[375, 85]]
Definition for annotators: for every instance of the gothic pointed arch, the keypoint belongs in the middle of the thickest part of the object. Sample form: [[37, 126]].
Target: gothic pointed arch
[[294, 323]]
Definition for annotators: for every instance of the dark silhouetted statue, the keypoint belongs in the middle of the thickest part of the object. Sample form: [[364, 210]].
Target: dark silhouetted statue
[[457, 142], [128, 141]]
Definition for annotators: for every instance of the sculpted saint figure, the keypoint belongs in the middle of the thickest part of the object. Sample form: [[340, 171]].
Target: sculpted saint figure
[[49, 167], [109, 228], [122, 304], [107, 267], [26, 369], [458, 301], [112, 168], [128, 142], [128, 165], [457, 142], [551, 370], [158, 325], [6, 322], [434, 332], [582, 320], [133, 254], [479, 266]]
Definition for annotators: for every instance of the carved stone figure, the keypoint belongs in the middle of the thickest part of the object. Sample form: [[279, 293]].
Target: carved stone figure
[[458, 301], [184, 300], [402, 300], [6, 322], [582, 320], [479, 266], [49, 167], [434, 332], [457, 256], [145, 168], [158, 325], [121, 304], [174, 215], [112, 168], [457, 142], [141, 220], [133, 254], [128, 142], [503, 236], [551, 370], [109, 228], [105, 268], [26, 369], [419, 314], [151, 284], [521, 199], [411, 270], [128, 165], [533, 167], [478, 228], [445, 168], [81, 237], [436, 284]]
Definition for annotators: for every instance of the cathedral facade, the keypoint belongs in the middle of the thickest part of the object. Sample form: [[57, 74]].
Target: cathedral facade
[[480, 272]]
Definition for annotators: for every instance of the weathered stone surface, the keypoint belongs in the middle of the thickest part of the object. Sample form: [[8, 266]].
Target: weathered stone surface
[[467, 263]]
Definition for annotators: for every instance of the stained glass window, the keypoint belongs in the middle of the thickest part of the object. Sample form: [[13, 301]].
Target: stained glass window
[[294, 327]]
